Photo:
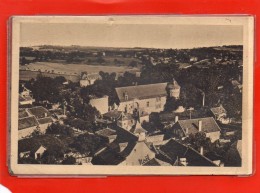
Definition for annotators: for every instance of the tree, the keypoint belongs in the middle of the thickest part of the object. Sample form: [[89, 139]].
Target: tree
[[133, 63], [58, 129], [199, 140], [69, 161], [46, 88], [87, 143]]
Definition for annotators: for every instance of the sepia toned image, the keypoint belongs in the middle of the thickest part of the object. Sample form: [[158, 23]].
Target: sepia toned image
[[118, 95]]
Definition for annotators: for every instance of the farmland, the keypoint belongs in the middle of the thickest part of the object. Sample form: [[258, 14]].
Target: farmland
[[69, 71]]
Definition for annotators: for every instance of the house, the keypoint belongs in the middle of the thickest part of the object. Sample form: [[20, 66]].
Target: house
[[218, 112], [107, 133], [101, 104], [35, 147], [36, 152], [25, 97], [42, 115], [184, 128], [26, 126], [124, 150], [148, 98], [89, 79], [25, 100], [155, 139], [177, 154], [31, 119], [126, 121]]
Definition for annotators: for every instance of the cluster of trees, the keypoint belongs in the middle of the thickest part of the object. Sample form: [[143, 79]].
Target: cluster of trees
[[46, 88], [88, 143], [58, 129]]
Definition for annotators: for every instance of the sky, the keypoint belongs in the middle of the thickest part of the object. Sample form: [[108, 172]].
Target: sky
[[129, 35]]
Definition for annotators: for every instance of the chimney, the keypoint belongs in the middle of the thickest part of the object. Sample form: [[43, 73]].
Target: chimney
[[203, 99], [187, 131], [126, 96], [200, 125], [176, 119], [201, 150]]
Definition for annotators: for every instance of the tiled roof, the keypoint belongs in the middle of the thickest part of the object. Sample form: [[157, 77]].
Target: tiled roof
[[27, 122], [114, 114], [45, 120], [142, 91], [106, 132], [23, 113], [112, 155], [192, 125], [174, 150], [218, 110], [39, 112]]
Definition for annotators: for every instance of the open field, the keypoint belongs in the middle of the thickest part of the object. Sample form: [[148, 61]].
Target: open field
[[74, 68], [69, 71]]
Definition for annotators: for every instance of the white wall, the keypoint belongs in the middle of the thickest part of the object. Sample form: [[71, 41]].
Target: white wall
[[213, 136], [155, 105]]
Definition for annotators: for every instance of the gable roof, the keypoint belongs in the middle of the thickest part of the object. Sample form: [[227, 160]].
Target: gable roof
[[192, 125], [142, 91], [27, 122], [39, 112], [173, 150]]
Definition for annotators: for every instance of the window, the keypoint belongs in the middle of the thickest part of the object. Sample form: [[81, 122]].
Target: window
[[148, 104], [38, 155]]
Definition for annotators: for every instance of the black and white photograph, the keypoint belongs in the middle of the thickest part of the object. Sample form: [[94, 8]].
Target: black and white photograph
[[117, 95]]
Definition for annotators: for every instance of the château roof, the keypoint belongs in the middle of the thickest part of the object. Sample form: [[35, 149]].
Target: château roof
[[141, 91]]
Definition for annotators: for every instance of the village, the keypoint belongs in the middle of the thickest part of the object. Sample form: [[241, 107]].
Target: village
[[179, 108]]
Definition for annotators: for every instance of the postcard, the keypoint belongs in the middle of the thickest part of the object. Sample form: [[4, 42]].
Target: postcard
[[131, 95]]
